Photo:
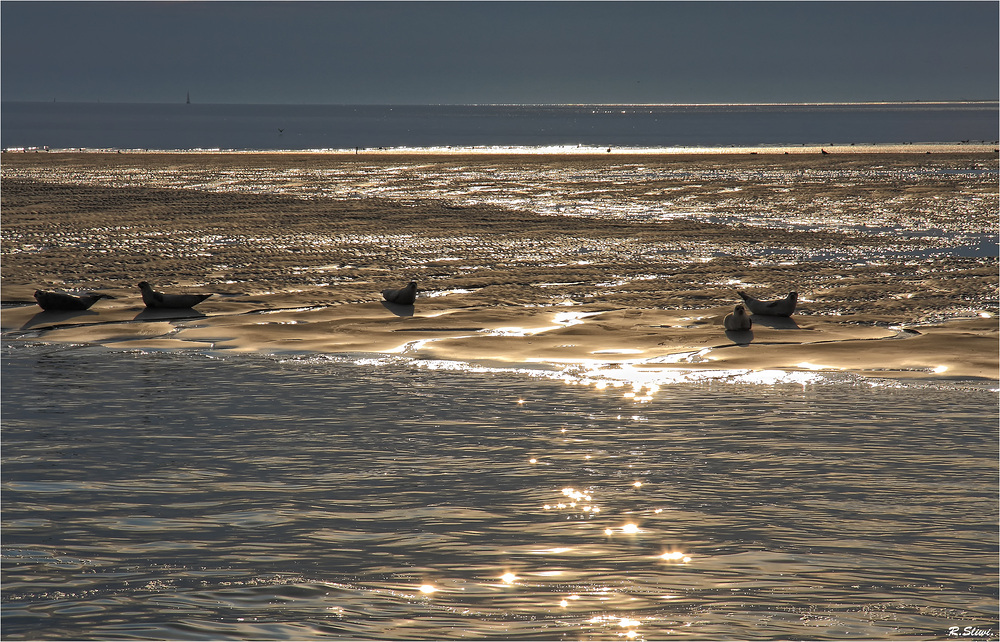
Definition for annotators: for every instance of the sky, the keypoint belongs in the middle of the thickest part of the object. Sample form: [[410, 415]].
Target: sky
[[498, 52]]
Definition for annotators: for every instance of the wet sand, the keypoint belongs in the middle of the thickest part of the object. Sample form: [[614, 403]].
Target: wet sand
[[497, 286]]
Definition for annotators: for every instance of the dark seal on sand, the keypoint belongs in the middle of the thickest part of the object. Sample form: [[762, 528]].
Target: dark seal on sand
[[780, 308], [64, 302], [402, 296], [154, 299]]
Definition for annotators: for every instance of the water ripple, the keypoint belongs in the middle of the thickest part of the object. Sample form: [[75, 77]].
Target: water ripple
[[328, 498]]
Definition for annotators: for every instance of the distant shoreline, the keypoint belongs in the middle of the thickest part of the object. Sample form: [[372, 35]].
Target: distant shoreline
[[589, 150], [871, 103]]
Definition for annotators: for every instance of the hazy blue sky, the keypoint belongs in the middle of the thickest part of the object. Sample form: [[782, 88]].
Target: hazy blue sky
[[486, 52]]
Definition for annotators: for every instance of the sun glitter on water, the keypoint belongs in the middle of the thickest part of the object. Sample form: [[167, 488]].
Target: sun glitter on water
[[628, 529]]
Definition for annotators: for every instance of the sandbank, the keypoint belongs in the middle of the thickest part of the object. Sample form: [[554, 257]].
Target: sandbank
[[527, 336], [294, 275]]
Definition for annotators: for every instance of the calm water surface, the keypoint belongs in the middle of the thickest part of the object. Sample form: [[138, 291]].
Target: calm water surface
[[269, 127], [154, 495]]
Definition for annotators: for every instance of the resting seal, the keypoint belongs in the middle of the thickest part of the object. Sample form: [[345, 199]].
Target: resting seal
[[738, 320], [154, 299], [65, 302], [402, 296], [780, 308]]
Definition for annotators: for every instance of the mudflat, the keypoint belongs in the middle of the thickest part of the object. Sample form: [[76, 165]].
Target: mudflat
[[296, 269]]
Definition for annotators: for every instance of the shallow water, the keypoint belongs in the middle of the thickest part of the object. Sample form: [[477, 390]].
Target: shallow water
[[152, 495]]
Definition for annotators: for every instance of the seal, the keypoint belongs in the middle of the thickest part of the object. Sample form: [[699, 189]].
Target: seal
[[154, 299], [738, 320], [65, 302], [780, 308], [402, 296]]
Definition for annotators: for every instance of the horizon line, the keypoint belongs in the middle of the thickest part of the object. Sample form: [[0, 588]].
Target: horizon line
[[577, 104]]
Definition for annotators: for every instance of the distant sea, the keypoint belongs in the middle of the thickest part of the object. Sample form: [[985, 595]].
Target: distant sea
[[331, 127]]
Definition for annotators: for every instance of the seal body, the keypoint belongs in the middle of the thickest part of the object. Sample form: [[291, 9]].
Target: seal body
[[401, 296], [154, 299], [780, 308], [738, 320], [64, 302]]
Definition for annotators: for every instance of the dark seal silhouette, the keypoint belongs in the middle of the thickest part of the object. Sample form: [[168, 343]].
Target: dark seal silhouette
[[154, 299], [780, 308], [401, 296], [64, 302]]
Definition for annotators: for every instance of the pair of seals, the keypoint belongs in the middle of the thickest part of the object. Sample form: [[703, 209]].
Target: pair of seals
[[401, 296], [740, 320], [154, 299], [51, 301]]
